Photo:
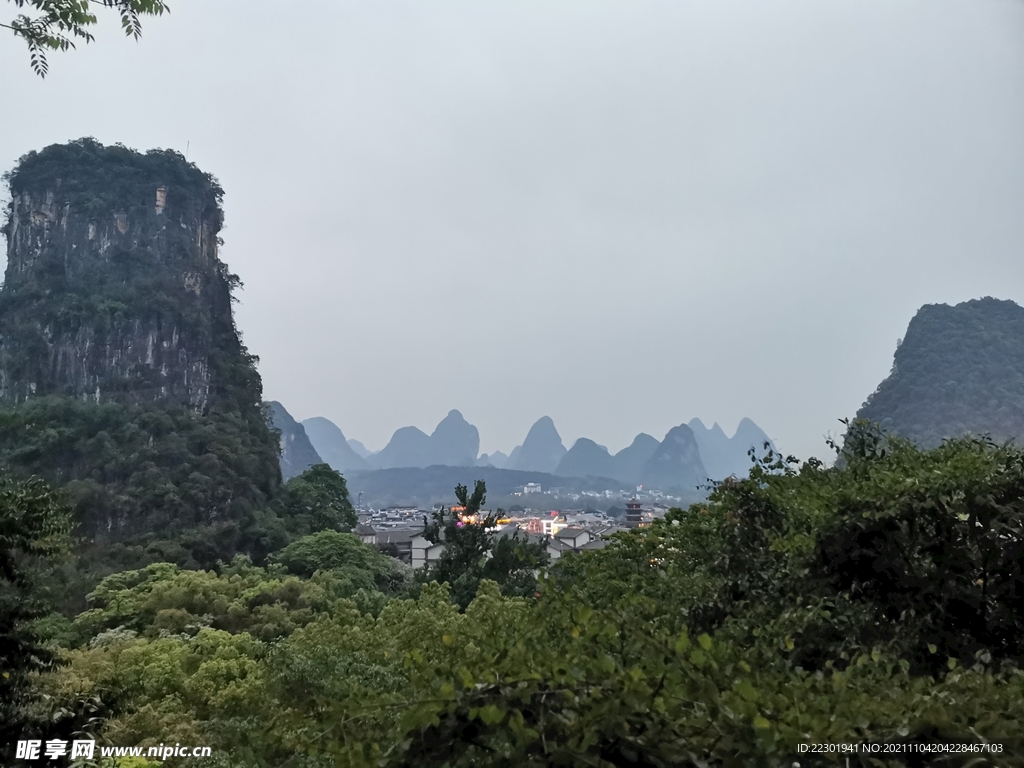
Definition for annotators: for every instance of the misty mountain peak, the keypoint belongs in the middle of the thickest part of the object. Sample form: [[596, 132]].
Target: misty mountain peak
[[724, 456], [454, 442], [329, 441], [542, 449], [676, 464], [361, 450], [586, 459]]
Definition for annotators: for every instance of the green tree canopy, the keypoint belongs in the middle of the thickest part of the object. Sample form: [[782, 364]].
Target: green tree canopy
[[343, 554], [318, 500], [34, 527], [55, 25], [873, 603]]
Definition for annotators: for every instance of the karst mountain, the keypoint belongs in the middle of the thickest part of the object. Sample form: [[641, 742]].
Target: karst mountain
[[959, 370]]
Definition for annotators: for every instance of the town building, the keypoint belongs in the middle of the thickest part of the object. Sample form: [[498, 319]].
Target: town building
[[634, 511]]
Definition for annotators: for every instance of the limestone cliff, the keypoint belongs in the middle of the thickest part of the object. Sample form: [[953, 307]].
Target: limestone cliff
[[122, 376], [297, 451], [114, 289]]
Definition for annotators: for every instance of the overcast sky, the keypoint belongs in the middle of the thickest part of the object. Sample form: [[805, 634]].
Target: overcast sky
[[618, 214]]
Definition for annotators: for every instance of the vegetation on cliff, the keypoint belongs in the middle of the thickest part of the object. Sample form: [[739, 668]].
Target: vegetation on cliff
[[123, 379], [959, 370], [34, 528]]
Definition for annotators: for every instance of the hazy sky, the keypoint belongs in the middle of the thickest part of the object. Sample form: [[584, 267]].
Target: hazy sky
[[619, 214]]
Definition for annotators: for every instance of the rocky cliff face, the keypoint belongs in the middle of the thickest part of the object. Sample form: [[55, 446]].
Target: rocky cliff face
[[121, 372], [297, 452], [114, 289]]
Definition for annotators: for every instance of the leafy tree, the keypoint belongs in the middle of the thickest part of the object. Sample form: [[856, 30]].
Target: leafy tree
[[57, 24], [473, 552], [343, 554], [556, 681], [34, 527], [318, 500], [932, 545], [161, 599]]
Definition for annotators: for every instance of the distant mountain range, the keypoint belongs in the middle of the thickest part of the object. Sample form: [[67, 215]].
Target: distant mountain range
[[960, 370], [688, 456], [359, 448], [332, 446], [726, 456], [498, 460], [454, 443]]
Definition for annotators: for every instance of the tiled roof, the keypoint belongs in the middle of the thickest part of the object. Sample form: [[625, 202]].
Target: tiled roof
[[397, 535]]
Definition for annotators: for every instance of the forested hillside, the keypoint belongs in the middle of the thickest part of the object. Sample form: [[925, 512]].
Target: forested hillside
[[123, 379], [959, 370], [874, 604]]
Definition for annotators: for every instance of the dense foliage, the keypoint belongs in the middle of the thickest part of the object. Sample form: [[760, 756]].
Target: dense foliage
[[318, 499], [877, 602], [960, 370], [98, 178], [345, 556], [34, 526], [56, 25], [131, 469]]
